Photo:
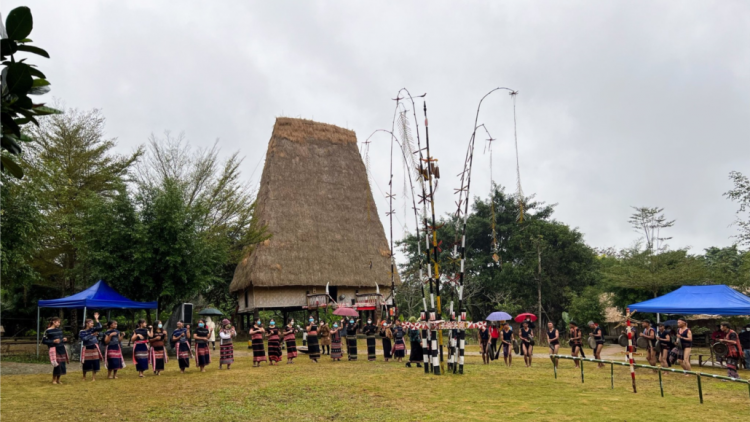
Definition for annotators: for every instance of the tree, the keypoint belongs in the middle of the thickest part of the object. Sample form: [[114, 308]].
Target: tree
[[741, 195], [19, 80], [651, 221], [728, 265]]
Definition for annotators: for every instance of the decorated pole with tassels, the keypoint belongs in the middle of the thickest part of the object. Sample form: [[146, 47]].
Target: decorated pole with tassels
[[630, 351]]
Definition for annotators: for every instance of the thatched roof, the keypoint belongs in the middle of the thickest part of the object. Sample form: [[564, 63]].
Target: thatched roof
[[315, 198]]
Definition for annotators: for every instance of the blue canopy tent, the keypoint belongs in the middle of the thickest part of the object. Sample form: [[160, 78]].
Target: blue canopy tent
[[98, 296], [690, 300]]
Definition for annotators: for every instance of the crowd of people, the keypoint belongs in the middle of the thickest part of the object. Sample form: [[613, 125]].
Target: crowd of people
[[666, 346]]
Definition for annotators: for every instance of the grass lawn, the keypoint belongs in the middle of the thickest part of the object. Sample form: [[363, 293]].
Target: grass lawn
[[371, 391]]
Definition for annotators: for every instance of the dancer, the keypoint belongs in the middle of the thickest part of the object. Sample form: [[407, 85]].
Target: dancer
[[416, 354], [226, 347], [686, 340], [113, 360], [386, 335], [181, 345], [291, 341], [324, 337], [576, 337], [507, 343], [650, 335], [369, 330], [351, 338], [734, 354], [399, 346], [274, 343], [553, 338], [494, 336], [336, 342], [91, 356], [596, 331], [484, 341], [141, 335], [313, 348], [256, 336], [665, 341], [527, 343], [158, 353], [58, 354], [202, 352]]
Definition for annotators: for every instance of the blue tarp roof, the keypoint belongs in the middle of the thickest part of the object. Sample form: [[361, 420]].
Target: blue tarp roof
[[691, 300], [98, 296]]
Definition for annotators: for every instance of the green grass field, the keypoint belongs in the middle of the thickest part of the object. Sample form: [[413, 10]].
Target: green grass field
[[370, 391]]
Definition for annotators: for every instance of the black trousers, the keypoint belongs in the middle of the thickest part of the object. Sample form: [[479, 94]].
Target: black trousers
[[494, 351]]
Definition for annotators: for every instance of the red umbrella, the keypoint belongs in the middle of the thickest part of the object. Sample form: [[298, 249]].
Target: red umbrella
[[522, 317], [350, 312]]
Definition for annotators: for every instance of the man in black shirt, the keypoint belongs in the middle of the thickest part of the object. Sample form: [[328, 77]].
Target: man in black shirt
[[745, 342]]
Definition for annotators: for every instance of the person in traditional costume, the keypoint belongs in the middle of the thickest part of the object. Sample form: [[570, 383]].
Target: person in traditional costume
[[141, 337], [313, 347], [58, 354], [686, 341], [324, 336], [484, 344], [416, 354], [506, 336], [256, 336], [290, 340], [211, 331], [494, 337], [596, 331], [576, 338], [226, 347], [369, 330], [734, 352], [181, 345], [650, 335], [665, 341], [91, 355], [527, 343], [399, 345], [113, 360], [351, 338], [202, 351], [336, 352], [553, 339], [158, 353], [386, 335], [274, 343]]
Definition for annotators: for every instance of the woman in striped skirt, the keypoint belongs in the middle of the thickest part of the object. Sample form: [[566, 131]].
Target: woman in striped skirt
[[158, 353], [202, 351], [256, 335], [351, 338], [274, 343], [399, 346], [313, 348], [336, 342], [416, 355], [140, 348], [386, 335], [181, 345], [113, 352], [226, 348], [91, 356], [369, 330], [291, 341]]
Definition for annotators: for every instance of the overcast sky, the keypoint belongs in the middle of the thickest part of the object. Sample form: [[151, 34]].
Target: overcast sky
[[621, 103]]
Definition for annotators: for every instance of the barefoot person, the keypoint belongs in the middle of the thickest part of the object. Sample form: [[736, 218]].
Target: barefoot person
[[553, 338], [181, 345], [113, 360], [415, 340], [351, 338], [274, 343], [399, 345], [202, 350], [290, 340], [91, 356], [141, 337], [576, 338], [650, 335], [336, 352], [665, 342], [369, 331], [324, 337], [386, 335], [158, 353], [226, 346], [506, 336], [596, 331], [484, 344], [734, 354], [313, 347], [58, 354], [256, 336], [686, 340], [527, 346]]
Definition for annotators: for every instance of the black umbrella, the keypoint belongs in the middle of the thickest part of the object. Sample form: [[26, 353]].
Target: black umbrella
[[211, 311]]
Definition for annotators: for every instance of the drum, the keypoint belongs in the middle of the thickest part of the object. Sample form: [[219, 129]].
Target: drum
[[570, 343], [532, 342], [678, 343], [720, 350], [642, 342], [592, 343], [657, 348], [623, 340], [516, 347]]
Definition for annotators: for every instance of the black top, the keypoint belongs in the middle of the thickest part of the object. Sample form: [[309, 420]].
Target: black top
[[369, 330], [552, 334], [115, 339], [526, 334], [383, 332], [143, 332], [89, 337], [507, 335], [745, 339], [201, 332], [50, 336], [484, 335], [576, 332], [598, 335], [351, 329], [398, 332]]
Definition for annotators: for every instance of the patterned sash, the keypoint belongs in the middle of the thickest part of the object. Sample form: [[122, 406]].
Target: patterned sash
[[112, 353], [154, 354], [202, 351], [56, 359], [91, 354], [140, 354], [184, 352]]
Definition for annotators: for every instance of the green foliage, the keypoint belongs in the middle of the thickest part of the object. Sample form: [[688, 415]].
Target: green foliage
[[19, 80], [741, 194], [728, 266], [586, 306]]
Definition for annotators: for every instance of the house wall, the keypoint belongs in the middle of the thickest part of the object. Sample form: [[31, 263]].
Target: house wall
[[294, 297]]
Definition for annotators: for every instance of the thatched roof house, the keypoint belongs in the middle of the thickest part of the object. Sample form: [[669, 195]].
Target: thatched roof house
[[316, 201]]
